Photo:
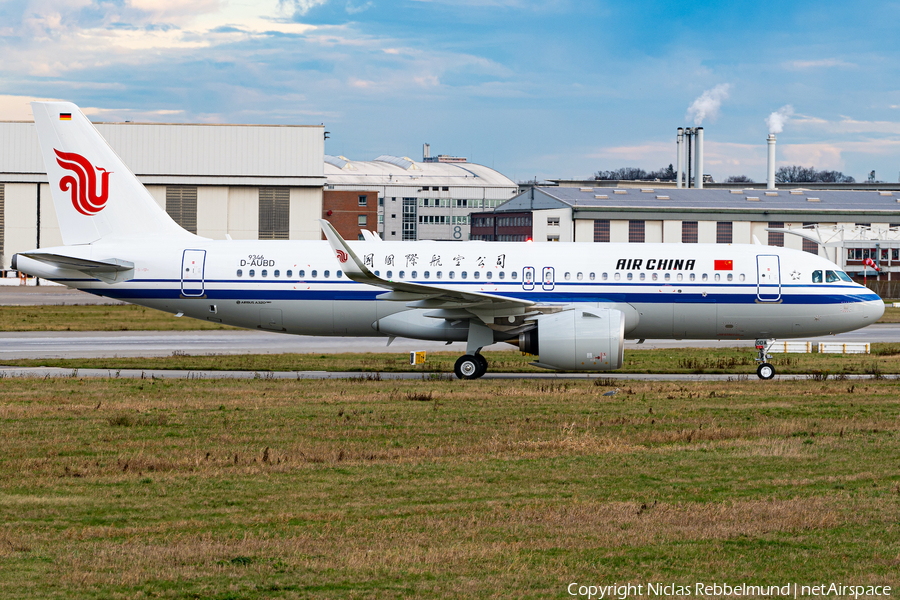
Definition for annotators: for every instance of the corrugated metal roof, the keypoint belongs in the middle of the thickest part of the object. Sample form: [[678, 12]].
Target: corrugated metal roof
[[383, 173], [695, 199]]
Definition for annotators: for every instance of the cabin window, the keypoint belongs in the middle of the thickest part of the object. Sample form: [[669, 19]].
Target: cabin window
[[401, 274], [668, 276], [654, 276], [568, 276], [264, 273], [817, 277], [514, 275], [463, 275], [437, 275], [390, 274], [679, 277], [605, 277], [831, 277], [643, 276], [377, 274], [488, 275], [339, 273], [718, 277], [618, 276], [301, 273], [327, 274], [742, 277], [427, 274], [277, 273], [580, 276], [451, 274], [630, 276], [290, 273], [693, 276], [253, 273], [240, 273], [730, 277], [705, 277], [592, 276], [502, 275], [476, 275], [414, 274]]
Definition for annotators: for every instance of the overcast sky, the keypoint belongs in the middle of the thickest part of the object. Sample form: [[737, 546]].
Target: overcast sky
[[549, 88]]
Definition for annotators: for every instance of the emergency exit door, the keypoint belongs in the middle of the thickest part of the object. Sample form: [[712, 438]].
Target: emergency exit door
[[768, 278], [193, 263]]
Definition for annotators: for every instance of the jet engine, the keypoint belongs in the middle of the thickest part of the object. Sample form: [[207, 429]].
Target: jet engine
[[580, 339]]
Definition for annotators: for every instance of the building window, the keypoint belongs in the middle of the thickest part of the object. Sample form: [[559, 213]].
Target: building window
[[181, 204], [636, 232], [601, 230], [552, 221], [274, 213], [689, 232], [380, 219], [381, 201], [776, 238], [362, 220], [409, 219], [809, 245], [363, 200], [723, 232]]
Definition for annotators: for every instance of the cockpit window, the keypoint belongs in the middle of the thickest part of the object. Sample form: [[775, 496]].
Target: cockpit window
[[817, 276], [844, 276], [831, 277]]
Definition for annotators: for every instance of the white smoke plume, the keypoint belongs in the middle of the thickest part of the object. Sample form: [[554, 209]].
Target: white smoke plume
[[708, 104], [779, 118]]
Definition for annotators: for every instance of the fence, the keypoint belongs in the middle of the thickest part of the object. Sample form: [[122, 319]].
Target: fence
[[795, 347]]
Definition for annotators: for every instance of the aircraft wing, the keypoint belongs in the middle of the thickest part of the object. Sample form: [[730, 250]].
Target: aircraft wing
[[416, 294]]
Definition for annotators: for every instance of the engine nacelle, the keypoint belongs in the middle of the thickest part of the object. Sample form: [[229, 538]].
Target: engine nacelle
[[581, 339]]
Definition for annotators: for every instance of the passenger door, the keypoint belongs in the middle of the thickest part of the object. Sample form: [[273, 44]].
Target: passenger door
[[193, 265], [768, 278]]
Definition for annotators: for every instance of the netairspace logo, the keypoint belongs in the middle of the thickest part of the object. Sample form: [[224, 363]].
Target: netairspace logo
[[623, 591]]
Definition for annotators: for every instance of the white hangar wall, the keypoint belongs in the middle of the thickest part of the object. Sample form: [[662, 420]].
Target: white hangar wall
[[215, 180]]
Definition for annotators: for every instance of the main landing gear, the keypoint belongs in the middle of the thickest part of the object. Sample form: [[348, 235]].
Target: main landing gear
[[471, 366], [765, 370]]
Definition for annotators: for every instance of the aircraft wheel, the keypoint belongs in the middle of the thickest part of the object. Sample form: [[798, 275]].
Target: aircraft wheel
[[468, 367], [765, 371], [483, 365]]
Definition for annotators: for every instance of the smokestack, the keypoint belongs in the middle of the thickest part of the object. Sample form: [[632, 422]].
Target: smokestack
[[770, 177], [426, 152], [699, 163], [679, 144]]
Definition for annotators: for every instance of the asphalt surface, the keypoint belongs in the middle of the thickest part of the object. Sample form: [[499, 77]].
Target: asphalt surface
[[105, 344], [48, 372], [31, 295]]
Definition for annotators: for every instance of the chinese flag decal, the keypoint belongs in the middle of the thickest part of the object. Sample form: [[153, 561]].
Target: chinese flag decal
[[724, 265]]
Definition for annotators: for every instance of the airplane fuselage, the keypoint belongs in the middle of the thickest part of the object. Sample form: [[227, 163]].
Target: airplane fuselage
[[681, 291]]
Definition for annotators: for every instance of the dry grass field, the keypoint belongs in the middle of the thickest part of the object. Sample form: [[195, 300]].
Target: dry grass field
[[441, 489]]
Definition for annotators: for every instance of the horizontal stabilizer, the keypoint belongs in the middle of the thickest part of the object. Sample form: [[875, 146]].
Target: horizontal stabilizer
[[110, 270]]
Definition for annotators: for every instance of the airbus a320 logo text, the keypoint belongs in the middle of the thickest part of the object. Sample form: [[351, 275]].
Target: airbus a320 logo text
[[342, 256], [85, 197]]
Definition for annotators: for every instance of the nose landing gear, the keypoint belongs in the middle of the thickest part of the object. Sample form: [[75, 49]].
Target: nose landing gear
[[765, 370]]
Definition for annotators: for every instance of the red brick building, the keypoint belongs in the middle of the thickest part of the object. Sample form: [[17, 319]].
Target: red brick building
[[502, 227], [350, 212]]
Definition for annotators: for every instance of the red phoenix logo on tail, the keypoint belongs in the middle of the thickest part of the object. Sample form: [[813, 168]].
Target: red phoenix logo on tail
[[83, 185], [342, 256]]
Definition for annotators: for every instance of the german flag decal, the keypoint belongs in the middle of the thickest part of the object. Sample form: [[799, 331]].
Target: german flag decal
[[724, 265], [65, 116]]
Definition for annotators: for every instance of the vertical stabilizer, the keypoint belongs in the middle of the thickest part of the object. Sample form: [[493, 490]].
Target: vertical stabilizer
[[95, 195]]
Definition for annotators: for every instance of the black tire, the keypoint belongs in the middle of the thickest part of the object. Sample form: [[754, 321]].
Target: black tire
[[482, 361], [468, 367], [765, 371]]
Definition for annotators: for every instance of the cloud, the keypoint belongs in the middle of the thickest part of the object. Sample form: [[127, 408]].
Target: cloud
[[708, 104], [824, 63], [777, 119], [18, 108], [301, 7]]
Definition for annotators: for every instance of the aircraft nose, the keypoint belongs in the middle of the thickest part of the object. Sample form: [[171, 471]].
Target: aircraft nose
[[872, 311]]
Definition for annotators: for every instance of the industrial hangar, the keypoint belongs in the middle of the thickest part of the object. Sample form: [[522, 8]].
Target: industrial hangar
[[844, 226], [246, 181], [428, 200]]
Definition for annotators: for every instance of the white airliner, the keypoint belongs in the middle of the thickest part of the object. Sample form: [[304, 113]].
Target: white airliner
[[571, 304]]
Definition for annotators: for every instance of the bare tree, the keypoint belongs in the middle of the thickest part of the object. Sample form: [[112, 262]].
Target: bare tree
[[738, 179], [798, 174], [636, 174]]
